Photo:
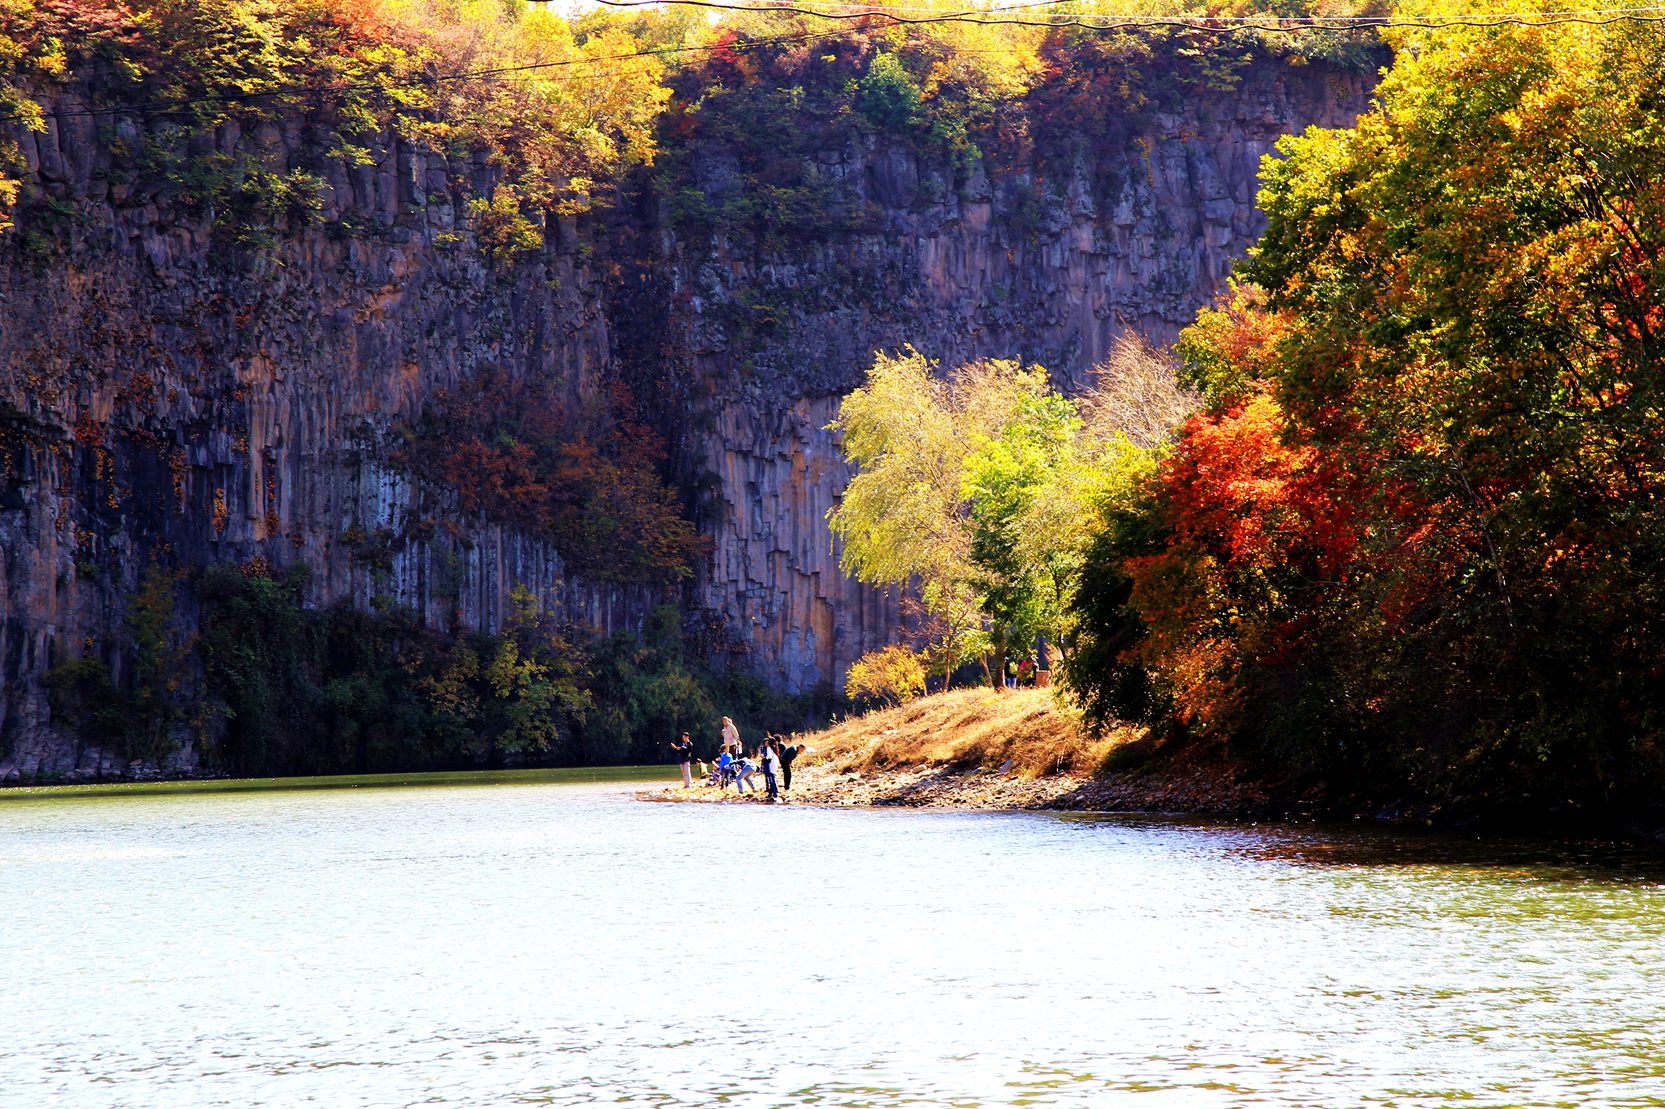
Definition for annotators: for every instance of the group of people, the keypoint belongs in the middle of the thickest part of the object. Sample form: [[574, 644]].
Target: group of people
[[736, 766], [1020, 673]]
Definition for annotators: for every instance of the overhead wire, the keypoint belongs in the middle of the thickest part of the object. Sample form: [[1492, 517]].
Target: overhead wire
[[313, 88], [986, 16], [1205, 23]]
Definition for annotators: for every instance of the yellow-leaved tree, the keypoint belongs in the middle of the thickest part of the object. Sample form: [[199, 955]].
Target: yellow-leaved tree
[[903, 520], [891, 675], [560, 111]]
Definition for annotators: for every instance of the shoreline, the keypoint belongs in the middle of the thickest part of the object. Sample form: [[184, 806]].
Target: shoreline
[[1189, 787], [1198, 789]]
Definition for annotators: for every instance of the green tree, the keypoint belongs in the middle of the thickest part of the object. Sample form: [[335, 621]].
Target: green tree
[[1021, 579], [535, 680], [163, 684], [980, 488], [887, 95], [904, 520], [1417, 537]]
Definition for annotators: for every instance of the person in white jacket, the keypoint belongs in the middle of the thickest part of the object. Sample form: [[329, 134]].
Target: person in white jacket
[[731, 737], [771, 767]]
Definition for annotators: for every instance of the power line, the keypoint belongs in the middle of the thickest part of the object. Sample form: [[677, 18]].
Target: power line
[[1597, 17], [984, 16]]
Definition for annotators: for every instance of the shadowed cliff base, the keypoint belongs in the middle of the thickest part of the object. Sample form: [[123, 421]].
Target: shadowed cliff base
[[982, 749]]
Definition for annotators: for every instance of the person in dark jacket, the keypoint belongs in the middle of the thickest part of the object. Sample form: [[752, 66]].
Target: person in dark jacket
[[683, 749], [788, 752]]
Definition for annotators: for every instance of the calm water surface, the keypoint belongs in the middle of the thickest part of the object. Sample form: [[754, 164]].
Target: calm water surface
[[536, 942]]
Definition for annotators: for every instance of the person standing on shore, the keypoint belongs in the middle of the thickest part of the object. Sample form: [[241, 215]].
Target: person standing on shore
[[788, 753], [684, 751], [771, 763], [731, 737]]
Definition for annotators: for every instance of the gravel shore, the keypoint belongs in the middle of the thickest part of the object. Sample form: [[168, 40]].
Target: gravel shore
[[1202, 788]]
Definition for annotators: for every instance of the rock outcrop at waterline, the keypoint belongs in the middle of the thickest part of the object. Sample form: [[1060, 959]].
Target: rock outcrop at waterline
[[165, 395]]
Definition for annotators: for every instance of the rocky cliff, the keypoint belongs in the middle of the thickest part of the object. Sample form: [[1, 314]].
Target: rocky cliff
[[165, 394], [963, 263]]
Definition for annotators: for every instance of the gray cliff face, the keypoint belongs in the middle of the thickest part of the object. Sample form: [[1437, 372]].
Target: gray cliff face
[[985, 264], [163, 396]]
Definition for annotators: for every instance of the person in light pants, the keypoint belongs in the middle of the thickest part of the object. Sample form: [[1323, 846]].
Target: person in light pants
[[684, 749]]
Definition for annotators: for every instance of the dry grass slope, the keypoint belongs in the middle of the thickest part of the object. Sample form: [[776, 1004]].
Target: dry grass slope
[[967, 729]]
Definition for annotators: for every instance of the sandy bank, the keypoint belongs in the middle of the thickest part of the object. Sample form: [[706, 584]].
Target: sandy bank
[[1199, 790], [978, 749]]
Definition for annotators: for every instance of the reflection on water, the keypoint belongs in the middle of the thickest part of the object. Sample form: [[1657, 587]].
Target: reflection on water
[[548, 943]]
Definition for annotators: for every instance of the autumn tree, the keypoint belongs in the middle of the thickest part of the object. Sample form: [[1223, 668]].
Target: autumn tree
[[980, 488], [891, 675], [1416, 538], [904, 518]]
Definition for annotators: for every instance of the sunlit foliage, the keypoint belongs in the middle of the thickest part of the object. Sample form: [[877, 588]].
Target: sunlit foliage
[[561, 108], [979, 488], [1418, 534], [891, 675]]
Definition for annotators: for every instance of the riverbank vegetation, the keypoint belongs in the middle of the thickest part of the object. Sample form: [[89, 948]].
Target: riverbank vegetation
[[1410, 549], [978, 489], [1416, 537], [233, 661], [1414, 543]]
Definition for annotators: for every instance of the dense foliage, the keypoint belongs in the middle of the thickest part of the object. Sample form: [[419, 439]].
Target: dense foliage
[[1415, 543], [754, 139], [978, 491], [440, 73], [513, 451], [233, 660]]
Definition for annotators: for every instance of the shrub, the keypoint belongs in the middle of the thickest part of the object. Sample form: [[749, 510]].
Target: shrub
[[891, 676]]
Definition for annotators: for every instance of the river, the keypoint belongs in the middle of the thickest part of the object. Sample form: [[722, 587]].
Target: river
[[547, 940]]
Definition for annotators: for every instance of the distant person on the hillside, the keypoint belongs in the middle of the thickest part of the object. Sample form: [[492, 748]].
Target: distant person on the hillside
[[683, 749], [771, 763], [731, 736], [788, 754]]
